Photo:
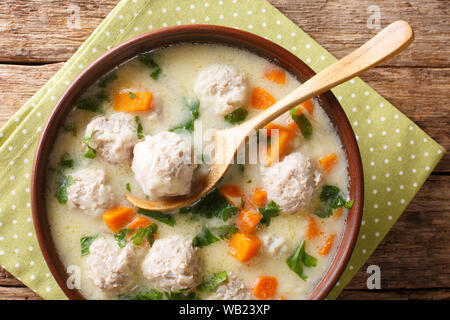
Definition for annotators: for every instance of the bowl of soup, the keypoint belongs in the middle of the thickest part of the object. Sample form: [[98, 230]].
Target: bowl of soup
[[140, 120]]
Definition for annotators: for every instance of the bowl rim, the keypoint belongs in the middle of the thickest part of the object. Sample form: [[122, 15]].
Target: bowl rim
[[195, 34]]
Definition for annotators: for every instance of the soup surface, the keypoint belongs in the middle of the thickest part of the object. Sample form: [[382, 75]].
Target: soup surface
[[268, 231]]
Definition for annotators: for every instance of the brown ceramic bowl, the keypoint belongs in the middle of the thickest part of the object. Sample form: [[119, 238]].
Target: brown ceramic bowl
[[197, 34]]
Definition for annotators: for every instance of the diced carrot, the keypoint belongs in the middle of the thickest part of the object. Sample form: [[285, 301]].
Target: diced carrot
[[276, 75], [244, 246], [337, 213], [139, 222], [278, 148], [326, 248], [117, 218], [313, 230], [261, 99], [129, 101], [231, 192], [308, 105], [328, 162], [260, 197], [247, 221], [265, 287]]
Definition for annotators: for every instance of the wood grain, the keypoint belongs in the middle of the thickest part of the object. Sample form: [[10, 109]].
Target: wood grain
[[414, 257], [39, 31]]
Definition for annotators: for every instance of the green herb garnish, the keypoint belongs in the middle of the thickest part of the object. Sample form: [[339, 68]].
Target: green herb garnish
[[66, 161], [121, 237], [90, 104], [268, 212], [180, 295], [147, 59], [148, 295], [163, 217], [140, 129], [213, 205], [237, 116], [91, 153], [302, 122], [155, 74], [299, 258], [224, 232], [204, 238], [211, 284], [332, 198], [128, 187], [85, 243], [132, 95], [62, 183], [194, 110], [106, 80], [71, 128], [144, 233]]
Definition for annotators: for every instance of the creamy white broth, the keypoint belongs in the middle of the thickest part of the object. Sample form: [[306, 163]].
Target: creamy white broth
[[180, 65]]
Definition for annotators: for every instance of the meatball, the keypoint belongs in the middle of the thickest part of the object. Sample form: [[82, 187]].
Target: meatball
[[232, 289], [172, 264], [162, 165], [113, 137], [221, 87], [291, 182], [111, 268], [89, 191]]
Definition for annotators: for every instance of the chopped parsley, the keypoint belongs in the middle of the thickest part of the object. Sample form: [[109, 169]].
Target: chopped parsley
[[213, 205], [268, 212], [204, 238], [70, 128], [237, 116], [155, 73], [147, 59], [163, 217], [85, 243], [302, 122], [91, 153], [140, 129], [66, 161], [211, 284], [121, 237], [62, 182], [332, 198], [299, 259], [128, 187], [148, 295], [194, 110], [90, 104], [144, 233], [224, 232], [106, 80], [132, 95]]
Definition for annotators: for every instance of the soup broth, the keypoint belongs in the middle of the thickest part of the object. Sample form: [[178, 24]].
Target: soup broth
[[288, 243]]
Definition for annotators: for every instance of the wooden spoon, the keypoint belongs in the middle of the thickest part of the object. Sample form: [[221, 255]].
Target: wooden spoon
[[388, 42]]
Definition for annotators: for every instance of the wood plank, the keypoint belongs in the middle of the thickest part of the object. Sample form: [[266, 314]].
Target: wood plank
[[8, 280], [39, 30], [341, 26], [10, 293], [415, 253], [427, 88], [430, 294]]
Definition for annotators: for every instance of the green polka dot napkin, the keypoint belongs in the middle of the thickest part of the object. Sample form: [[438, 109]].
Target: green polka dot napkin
[[397, 155]]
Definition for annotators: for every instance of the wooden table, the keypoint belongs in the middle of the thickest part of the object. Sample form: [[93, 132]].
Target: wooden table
[[415, 256]]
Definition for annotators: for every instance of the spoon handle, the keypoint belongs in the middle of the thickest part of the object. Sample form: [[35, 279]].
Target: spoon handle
[[387, 43]]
